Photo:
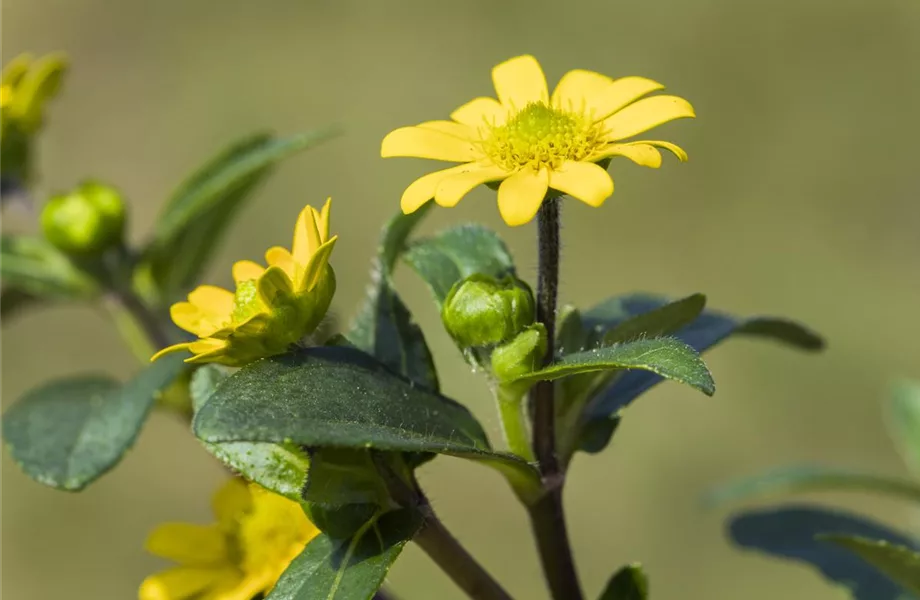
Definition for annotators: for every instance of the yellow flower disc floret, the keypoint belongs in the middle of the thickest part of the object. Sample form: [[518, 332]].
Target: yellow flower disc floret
[[542, 137], [257, 535], [535, 144], [272, 307]]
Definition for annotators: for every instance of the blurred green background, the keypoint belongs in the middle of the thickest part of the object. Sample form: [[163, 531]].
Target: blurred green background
[[800, 199]]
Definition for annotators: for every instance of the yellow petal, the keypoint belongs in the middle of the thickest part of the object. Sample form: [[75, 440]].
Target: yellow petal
[[576, 86], [645, 114], [427, 143], [422, 189], [214, 300], [520, 196], [280, 257], [458, 130], [182, 583], [306, 236], [481, 111], [194, 319], [170, 350], [585, 181], [246, 270], [619, 94], [641, 154], [189, 544], [676, 150], [453, 188], [520, 81], [314, 269], [322, 220], [242, 588], [231, 502]]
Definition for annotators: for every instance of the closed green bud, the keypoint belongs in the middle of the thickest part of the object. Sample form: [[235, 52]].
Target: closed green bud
[[87, 221], [522, 355], [481, 311]]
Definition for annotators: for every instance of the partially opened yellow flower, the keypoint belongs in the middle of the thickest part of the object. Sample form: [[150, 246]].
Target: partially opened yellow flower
[[535, 143], [257, 535], [25, 86], [272, 308]]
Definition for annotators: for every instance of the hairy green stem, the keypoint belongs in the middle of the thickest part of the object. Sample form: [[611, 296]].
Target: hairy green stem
[[547, 514], [513, 422]]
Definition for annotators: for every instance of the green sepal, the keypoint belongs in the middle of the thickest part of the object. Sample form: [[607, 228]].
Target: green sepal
[[628, 583]]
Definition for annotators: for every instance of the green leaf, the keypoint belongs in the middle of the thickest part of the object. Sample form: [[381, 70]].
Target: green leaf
[[384, 326], [281, 468], [667, 357], [795, 532], [35, 267], [899, 563], [67, 433], [802, 479], [629, 583], [13, 301], [339, 397], [343, 476], [350, 568], [664, 320], [198, 212], [904, 421], [457, 253]]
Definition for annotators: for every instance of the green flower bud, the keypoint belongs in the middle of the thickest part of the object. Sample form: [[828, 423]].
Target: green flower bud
[[483, 311], [87, 221], [524, 354]]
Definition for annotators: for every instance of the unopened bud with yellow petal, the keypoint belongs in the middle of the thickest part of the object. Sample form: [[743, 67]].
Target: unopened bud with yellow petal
[[481, 311], [86, 221]]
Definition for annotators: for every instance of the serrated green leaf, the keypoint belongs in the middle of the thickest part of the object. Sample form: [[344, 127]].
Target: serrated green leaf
[[67, 433], [457, 253], [899, 563], [384, 327], [903, 420], [351, 568], [802, 479], [667, 357], [792, 532], [629, 583], [34, 266], [339, 397], [197, 213]]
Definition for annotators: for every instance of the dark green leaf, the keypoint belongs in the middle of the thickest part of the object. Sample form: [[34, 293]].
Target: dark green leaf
[[281, 468], [790, 532], [904, 421], [13, 301], [667, 357], [629, 583], [814, 479], [457, 253], [664, 320], [69, 432], [899, 563], [707, 330], [384, 327], [199, 211], [34, 266], [339, 397], [342, 476], [351, 568]]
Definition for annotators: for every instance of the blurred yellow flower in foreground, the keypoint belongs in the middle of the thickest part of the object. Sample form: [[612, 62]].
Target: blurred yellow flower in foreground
[[537, 144], [257, 535], [26, 85], [272, 308]]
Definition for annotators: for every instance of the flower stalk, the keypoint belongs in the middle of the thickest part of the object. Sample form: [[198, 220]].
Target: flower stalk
[[547, 514]]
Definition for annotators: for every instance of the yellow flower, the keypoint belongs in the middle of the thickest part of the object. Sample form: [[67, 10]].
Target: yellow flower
[[257, 535], [536, 144], [272, 308], [26, 85]]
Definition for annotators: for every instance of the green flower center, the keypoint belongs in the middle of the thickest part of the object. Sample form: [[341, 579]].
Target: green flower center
[[246, 301], [540, 136]]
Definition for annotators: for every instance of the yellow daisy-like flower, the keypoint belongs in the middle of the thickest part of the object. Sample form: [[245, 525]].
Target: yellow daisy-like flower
[[272, 308], [535, 143], [257, 535]]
